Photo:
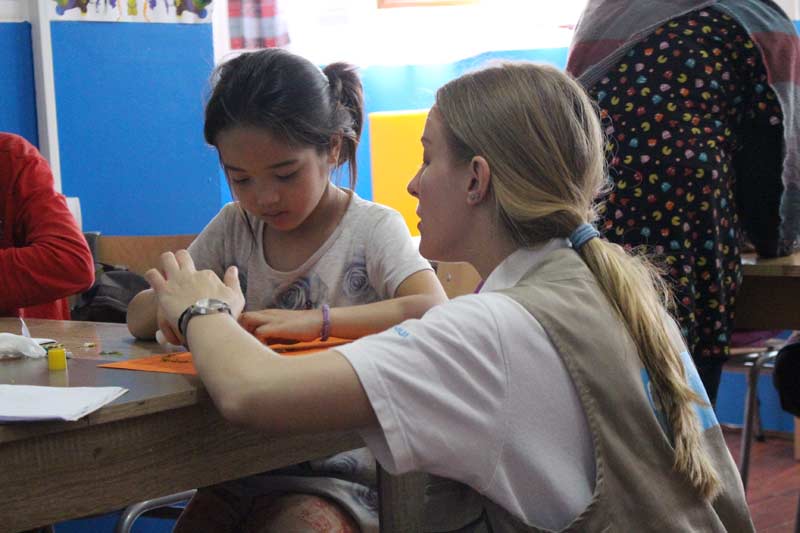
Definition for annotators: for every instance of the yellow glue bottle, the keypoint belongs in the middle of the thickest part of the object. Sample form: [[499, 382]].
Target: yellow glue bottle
[[56, 359]]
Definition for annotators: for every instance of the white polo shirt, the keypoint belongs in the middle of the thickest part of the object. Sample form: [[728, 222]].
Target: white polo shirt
[[476, 392]]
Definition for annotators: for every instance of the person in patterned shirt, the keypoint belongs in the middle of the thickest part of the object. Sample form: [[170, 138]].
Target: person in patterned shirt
[[694, 146]]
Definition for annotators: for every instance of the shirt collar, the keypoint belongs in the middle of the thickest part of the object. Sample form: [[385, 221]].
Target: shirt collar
[[512, 268]]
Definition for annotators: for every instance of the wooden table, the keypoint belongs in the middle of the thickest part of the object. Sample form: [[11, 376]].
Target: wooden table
[[769, 298], [163, 436]]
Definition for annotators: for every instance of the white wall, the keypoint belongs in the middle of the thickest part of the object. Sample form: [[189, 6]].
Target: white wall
[[792, 8], [358, 32], [13, 10], [220, 29]]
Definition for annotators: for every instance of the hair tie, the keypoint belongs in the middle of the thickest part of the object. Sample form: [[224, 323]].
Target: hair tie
[[326, 323], [583, 234]]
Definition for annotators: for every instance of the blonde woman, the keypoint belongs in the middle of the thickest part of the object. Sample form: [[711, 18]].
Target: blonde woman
[[562, 393]]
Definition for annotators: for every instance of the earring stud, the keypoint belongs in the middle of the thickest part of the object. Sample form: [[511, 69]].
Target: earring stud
[[473, 197]]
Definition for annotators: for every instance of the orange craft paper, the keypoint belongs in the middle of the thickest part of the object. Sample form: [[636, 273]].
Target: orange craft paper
[[181, 362]]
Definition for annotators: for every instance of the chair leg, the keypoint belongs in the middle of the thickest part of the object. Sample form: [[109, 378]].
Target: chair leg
[[132, 512], [750, 414], [797, 518], [757, 426]]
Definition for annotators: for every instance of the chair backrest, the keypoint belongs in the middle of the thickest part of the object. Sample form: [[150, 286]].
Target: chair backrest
[[138, 252], [786, 377], [74, 206]]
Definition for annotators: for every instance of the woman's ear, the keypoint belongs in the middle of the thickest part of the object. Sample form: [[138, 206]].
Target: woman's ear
[[480, 180], [334, 149]]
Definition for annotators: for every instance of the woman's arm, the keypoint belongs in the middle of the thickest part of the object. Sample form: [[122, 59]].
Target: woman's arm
[[248, 382], [414, 296], [254, 386]]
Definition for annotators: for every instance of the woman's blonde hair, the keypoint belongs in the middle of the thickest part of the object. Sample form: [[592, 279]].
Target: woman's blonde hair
[[541, 136]]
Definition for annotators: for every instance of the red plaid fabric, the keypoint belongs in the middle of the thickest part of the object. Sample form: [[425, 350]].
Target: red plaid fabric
[[256, 24]]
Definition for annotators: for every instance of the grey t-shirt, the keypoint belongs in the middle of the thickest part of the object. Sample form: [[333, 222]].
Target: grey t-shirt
[[366, 258]]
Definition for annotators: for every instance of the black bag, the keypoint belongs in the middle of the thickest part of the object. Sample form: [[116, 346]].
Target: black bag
[[786, 377], [107, 300]]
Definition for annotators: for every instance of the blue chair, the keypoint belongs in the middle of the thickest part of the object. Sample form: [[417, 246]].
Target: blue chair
[[755, 362]]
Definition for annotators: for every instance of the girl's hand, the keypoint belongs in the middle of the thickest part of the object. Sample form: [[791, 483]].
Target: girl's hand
[[170, 334], [283, 325], [184, 285]]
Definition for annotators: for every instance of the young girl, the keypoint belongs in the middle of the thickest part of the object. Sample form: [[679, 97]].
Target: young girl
[[562, 393], [314, 260]]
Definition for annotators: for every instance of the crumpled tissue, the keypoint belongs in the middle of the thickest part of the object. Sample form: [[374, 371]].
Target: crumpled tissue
[[18, 346]]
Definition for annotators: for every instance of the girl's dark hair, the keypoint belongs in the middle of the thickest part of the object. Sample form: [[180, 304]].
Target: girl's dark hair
[[291, 98]]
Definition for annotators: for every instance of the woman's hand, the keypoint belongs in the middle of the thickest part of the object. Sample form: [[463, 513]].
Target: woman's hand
[[184, 285], [283, 325]]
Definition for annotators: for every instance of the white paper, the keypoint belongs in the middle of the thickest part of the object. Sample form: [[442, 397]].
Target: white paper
[[31, 403]]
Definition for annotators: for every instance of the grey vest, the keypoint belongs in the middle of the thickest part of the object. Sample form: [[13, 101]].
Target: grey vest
[[636, 488]]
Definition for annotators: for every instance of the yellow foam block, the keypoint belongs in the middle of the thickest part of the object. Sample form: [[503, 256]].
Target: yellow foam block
[[396, 155]]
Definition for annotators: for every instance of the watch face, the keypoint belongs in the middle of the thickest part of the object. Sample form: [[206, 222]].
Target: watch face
[[211, 303], [204, 306]]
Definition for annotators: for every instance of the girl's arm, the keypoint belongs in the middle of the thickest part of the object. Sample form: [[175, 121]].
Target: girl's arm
[[414, 296], [144, 318], [141, 319], [248, 382]]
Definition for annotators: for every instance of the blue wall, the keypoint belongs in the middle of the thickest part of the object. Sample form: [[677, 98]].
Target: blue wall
[[130, 100], [130, 115], [17, 88], [414, 87]]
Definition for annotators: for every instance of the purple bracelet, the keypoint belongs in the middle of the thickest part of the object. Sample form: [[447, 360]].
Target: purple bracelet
[[326, 323]]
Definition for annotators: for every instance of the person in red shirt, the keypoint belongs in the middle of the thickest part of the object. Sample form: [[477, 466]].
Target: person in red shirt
[[43, 255]]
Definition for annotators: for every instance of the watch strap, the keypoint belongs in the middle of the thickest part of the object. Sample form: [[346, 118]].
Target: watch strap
[[183, 321], [201, 307]]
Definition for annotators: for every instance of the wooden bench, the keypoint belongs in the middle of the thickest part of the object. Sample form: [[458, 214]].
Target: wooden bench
[[138, 252]]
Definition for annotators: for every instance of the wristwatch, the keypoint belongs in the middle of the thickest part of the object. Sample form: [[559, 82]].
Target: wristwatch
[[205, 306]]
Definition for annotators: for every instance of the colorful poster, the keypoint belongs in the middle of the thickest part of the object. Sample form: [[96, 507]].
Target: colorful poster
[[170, 11]]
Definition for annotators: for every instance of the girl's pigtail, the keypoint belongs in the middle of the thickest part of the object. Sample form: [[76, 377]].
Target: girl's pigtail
[[347, 95]]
